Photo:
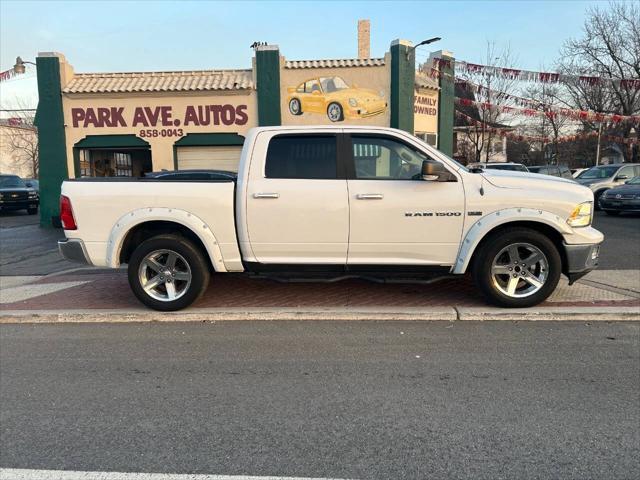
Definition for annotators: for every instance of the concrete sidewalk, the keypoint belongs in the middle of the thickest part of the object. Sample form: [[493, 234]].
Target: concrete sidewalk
[[90, 295]]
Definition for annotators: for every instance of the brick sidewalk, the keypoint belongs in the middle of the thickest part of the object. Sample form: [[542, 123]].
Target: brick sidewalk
[[111, 291]]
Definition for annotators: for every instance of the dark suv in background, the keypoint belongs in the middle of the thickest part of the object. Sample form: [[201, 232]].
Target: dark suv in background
[[16, 194]]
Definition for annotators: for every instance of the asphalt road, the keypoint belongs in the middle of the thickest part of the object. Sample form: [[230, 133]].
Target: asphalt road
[[389, 400], [621, 248], [27, 249]]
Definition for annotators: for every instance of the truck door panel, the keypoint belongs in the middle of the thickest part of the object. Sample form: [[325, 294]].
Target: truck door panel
[[395, 216], [297, 206]]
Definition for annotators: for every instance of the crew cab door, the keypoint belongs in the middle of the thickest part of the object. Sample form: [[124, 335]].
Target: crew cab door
[[396, 216], [296, 199]]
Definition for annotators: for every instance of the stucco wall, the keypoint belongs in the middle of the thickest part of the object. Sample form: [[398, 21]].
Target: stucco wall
[[127, 114]]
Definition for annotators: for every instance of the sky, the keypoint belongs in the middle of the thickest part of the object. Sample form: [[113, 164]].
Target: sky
[[117, 36]]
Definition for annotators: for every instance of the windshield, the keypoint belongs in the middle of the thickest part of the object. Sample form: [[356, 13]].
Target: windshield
[[599, 172], [11, 182], [534, 169], [333, 84], [634, 181]]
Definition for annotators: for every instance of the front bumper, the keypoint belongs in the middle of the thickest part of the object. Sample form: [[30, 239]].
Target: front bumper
[[581, 259], [19, 204], [620, 205], [73, 249]]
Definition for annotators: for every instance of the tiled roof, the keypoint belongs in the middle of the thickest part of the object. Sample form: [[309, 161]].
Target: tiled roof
[[345, 62], [190, 81], [425, 81]]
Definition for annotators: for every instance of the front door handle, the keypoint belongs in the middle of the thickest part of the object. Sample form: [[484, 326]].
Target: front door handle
[[370, 196], [266, 195]]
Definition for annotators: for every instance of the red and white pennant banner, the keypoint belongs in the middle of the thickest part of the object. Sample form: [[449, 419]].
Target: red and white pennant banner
[[7, 74], [504, 132], [552, 112], [532, 76]]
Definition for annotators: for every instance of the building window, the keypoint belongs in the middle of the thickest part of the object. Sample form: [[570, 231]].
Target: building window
[[114, 163]]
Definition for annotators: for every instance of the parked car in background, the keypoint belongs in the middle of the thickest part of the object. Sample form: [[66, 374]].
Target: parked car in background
[[513, 167], [33, 183], [16, 194], [576, 172], [603, 177], [625, 198], [561, 171], [193, 175]]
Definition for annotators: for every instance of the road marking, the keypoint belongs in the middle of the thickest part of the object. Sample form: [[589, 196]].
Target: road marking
[[26, 292], [25, 474], [7, 281]]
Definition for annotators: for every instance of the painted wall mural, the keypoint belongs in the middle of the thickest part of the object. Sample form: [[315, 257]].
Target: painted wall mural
[[353, 95]]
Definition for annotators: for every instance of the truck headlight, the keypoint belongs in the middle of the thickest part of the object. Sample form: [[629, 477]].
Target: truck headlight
[[33, 194], [581, 215], [353, 102]]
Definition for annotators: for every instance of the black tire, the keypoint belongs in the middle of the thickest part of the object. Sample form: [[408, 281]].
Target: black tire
[[295, 107], [32, 211], [335, 112], [489, 249], [613, 213], [191, 254], [596, 199]]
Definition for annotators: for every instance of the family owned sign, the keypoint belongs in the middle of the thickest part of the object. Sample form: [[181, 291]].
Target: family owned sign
[[160, 116]]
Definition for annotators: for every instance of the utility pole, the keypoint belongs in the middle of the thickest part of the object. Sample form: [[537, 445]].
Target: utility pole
[[598, 149]]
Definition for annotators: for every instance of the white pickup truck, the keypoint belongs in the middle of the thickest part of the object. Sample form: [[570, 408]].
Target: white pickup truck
[[331, 202]]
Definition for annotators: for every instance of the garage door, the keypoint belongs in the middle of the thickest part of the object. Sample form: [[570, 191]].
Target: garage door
[[214, 158]]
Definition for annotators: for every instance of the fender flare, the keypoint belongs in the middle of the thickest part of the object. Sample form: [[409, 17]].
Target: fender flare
[[142, 215], [482, 227]]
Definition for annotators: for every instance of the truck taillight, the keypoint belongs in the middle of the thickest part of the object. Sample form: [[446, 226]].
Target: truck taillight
[[66, 214]]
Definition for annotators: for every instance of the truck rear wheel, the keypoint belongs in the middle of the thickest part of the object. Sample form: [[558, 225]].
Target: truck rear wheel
[[168, 272], [517, 268]]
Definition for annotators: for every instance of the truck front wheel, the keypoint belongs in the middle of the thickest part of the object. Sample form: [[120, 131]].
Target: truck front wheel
[[517, 268], [168, 272]]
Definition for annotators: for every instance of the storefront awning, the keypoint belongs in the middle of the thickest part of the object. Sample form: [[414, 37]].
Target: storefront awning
[[112, 141]]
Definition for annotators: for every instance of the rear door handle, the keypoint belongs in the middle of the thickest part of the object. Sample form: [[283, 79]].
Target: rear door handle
[[370, 196], [266, 195]]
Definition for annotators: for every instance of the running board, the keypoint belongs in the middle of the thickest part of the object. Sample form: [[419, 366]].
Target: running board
[[382, 280]]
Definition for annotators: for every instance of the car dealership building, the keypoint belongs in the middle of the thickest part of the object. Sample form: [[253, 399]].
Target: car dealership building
[[127, 124]]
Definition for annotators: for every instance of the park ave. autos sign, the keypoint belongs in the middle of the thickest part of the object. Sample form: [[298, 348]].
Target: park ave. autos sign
[[159, 116]]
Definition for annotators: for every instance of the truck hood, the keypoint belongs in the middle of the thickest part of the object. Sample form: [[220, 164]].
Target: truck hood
[[513, 179]]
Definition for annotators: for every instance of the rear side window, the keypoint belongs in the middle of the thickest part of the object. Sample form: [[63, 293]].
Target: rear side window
[[302, 156]]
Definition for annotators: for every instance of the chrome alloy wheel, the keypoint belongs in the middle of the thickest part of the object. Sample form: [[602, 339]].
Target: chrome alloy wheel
[[164, 275], [519, 270]]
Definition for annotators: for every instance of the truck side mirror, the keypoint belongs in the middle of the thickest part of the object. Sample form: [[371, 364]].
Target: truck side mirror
[[435, 172]]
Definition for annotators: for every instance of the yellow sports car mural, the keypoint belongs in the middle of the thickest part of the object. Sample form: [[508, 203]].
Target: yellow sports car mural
[[333, 97]]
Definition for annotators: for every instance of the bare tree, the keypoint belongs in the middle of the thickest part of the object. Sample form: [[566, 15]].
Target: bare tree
[[548, 125], [21, 137], [481, 135], [609, 47]]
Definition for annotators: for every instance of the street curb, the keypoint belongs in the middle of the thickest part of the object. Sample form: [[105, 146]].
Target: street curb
[[340, 314], [225, 314], [550, 313]]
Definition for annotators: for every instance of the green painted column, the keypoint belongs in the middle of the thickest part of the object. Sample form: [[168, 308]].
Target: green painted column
[[52, 149], [403, 77], [268, 85], [446, 103]]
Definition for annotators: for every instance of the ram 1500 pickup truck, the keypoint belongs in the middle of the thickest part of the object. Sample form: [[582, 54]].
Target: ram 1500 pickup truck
[[331, 202]]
